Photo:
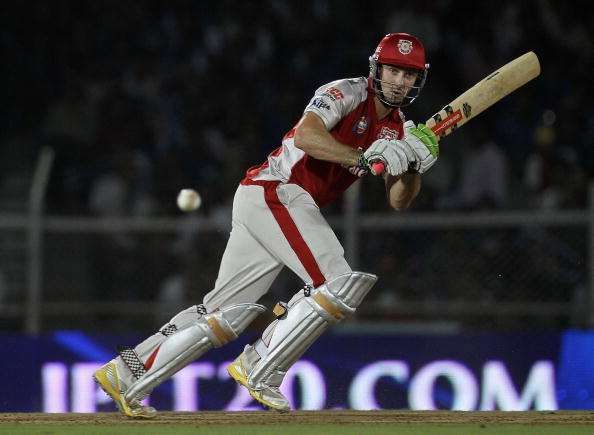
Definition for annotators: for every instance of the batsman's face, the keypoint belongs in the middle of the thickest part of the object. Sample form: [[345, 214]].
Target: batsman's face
[[397, 82]]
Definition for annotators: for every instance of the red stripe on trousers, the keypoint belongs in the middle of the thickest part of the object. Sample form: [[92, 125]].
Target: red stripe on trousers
[[290, 230]]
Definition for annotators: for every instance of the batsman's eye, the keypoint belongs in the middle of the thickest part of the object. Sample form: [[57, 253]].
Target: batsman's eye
[[411, 75]]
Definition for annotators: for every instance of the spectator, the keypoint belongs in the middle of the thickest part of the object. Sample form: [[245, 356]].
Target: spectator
[[484, 178]]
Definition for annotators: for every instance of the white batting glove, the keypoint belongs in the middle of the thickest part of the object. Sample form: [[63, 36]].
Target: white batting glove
[[396, 155], [424, 144]]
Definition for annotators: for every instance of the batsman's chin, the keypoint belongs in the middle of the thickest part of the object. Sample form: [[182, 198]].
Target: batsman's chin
[[397, 97]]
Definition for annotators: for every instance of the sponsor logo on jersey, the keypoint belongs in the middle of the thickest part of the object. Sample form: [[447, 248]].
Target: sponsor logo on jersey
[[388, 134], [405, 46], [361, 126], [334, 94], [320, 104]]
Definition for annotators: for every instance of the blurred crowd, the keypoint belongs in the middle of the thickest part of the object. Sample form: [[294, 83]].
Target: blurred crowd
[[139, 99]]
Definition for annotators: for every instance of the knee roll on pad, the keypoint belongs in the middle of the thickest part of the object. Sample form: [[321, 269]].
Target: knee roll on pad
[[193, 335], [225, 324], [341, 296]]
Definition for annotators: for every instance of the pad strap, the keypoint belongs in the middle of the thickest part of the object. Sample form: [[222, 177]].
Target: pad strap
[[132, 360]]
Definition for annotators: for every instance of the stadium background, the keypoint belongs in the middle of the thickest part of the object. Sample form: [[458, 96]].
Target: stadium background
[[128, 102]]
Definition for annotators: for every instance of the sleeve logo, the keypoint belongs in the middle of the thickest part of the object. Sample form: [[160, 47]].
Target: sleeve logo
[[320, 103], [334, 94]]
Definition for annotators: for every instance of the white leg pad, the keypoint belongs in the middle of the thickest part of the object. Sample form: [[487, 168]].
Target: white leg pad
[[307, 317], [187, 337]]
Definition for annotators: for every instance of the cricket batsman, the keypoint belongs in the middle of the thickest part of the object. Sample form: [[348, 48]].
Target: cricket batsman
[[347, 126]]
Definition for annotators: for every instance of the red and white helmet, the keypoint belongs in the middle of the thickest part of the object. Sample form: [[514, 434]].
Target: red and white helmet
[[402, 50]]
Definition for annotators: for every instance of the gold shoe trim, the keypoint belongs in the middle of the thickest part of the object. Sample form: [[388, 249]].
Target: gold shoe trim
[[235, 370]]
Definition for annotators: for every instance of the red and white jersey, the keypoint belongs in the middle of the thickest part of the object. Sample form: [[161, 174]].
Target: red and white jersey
[[348, 110]]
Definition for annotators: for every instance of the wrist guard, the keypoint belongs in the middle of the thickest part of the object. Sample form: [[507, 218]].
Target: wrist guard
[[362, 167]]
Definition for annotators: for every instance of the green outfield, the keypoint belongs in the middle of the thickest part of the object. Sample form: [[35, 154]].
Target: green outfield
[[371, 429], [305, 422], [318, 429]]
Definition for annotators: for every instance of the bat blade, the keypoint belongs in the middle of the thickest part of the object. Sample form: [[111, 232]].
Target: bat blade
[[485, 93], [480, 97]]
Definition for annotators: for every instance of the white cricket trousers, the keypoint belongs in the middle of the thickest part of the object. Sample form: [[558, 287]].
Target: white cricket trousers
[[274, 225]]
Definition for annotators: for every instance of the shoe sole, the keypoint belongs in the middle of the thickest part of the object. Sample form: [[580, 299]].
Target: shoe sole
[[101, 379], [240, 378]]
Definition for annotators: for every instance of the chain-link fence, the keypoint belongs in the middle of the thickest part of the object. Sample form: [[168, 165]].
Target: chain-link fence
[[532, 275], [487, 270], [494, 271]]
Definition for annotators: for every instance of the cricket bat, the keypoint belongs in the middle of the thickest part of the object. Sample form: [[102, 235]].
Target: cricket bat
[[480, 97]]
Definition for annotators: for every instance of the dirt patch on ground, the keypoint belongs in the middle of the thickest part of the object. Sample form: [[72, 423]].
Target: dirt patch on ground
[[311, 417]]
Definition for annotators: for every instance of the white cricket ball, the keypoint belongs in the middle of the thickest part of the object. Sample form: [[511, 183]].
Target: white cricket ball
[[188, 200]]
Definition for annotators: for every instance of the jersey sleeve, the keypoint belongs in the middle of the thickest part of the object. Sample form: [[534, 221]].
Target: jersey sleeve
[[335, 100]]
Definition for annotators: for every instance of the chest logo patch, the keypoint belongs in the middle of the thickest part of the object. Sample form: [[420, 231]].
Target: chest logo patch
[[388, 134], [361, 126]]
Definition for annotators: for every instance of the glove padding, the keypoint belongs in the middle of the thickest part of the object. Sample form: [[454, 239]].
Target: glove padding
[[424, 144], [396, 155]]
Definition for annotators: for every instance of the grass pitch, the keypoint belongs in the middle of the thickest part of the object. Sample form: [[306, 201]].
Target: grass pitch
[[305, 422]]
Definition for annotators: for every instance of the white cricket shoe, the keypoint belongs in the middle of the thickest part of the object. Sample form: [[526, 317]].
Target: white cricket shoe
[[271, 397], [110, 381]]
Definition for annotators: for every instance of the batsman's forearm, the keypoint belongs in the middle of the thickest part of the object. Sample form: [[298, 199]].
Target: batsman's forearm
[[320, 144], [403, 190]]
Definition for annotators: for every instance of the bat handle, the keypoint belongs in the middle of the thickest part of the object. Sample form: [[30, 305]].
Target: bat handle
[[378, 167]]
